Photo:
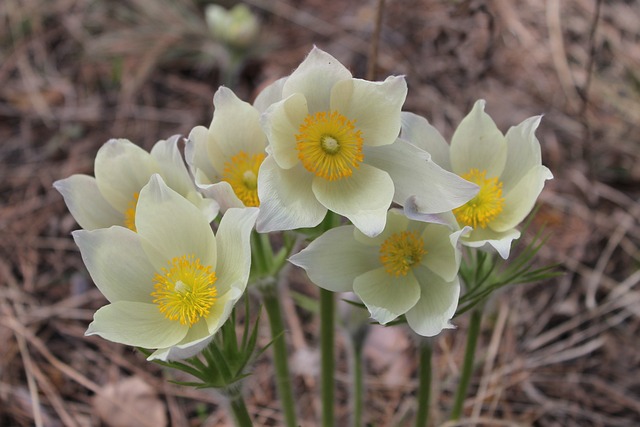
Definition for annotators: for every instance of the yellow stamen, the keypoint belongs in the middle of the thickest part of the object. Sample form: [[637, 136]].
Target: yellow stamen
[[242, 174], [329, 145], [185, 290], [487, 204], [401, 251], [130, 213]]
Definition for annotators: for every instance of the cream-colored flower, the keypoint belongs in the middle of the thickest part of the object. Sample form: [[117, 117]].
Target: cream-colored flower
[[172, 284], [411, 268], [507, 168], [237, 27], [226, 157], [121, 170]]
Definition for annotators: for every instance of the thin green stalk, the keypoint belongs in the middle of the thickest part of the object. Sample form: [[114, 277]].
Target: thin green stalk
[[467, 367], [239, 410], [357, 394], [280, 356], [327, 308], [424, 385]]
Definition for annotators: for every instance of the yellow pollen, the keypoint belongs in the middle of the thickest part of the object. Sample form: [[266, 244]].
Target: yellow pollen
[[487, 204], [242, 174], [130, 213], [401, 251], [185, 290], [329, 145]]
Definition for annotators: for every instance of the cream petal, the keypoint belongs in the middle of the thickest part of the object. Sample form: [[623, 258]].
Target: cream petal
[[436, 306], [221, 310], [335, 259], [122, 169], [136, 324], [193, 343], [418, 131], [500, 241], [86, 204], [386, 296], [197, 156], [281, 122], [172, 167], [363, 198], [286, 199], [443, 256], [269, 95], [478, 144], [397, 222], [412, 211], [172, 226], [223, 194], [117, 263], [523, 152]]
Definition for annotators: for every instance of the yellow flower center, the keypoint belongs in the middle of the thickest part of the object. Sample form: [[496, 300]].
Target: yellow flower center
[[185, 290], [329, 145], [401, 251], [130, 213], [242, 174], [487, 204]]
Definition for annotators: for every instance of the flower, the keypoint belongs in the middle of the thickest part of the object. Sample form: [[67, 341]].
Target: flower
[[173, 283], [237, 27], [507, 168], [333, 146], [411, 268], [122, 169], [226, 157]]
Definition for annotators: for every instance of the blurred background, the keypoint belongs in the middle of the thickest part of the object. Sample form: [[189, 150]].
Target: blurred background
[[74, 73]]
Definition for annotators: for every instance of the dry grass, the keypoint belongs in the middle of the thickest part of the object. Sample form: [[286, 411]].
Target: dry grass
[[562, 353]]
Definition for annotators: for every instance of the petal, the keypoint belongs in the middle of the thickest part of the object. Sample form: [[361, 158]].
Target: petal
[[523, 152], [233, 248], [500, 241], [436, 306], [222, 308], [478, 144], [412, 211], [223, 194], [117, 263], [171, 226], [335, 259], [375, 107], [397, 222], [197, 156], [172, 167], [122, 169], [86, 204], [286, 199], [363, 198], [193, 343], [314, 78], [386, 296], [269, 95], [433, 189], [443, 256], [417, 131], [136, 324], [281, 123]]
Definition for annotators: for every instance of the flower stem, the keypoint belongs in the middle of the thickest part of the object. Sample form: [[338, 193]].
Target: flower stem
[[239, 409], [424, 385], [467, 367], [327, 308], [280, 356], [357, 395]]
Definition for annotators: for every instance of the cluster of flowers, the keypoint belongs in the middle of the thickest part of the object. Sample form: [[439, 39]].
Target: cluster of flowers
[[318, 140]]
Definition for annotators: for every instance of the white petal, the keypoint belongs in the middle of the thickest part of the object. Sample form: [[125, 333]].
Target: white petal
[[434, 190], [523, 152], [122, 169], [386, 296], [269, 95], [193, 343], [281, 122], [417, 131], [136, 324], [86, 204], [443, 256], [397, 222], [335, 259], [222, 308], [223, 194], [412, 211], [117, 263], [477, 143], [500, 241], [363, 198], [314, 78], [375, 107], [172, 167], [286, 199], [436, 306], [172, 226], [197, 156]]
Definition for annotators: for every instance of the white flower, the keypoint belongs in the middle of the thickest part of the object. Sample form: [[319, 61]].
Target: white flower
[[411, 268], [333, 146], [226, 157], [507, 168], [238, 27], [172, 284], [121, 170]]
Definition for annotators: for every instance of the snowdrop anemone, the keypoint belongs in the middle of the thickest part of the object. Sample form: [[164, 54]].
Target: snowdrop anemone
[[507, 168], [333, 146], [411, 268], [121, 170], [171, 285], [225, 158]]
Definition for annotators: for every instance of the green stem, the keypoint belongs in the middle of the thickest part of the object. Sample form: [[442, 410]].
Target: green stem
[[327, 304], [467, 367], [239, 409], [424, 385], [280, 356], [358, 382]]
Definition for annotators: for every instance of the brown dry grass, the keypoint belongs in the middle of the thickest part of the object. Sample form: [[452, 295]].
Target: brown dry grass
[[562, 353]]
